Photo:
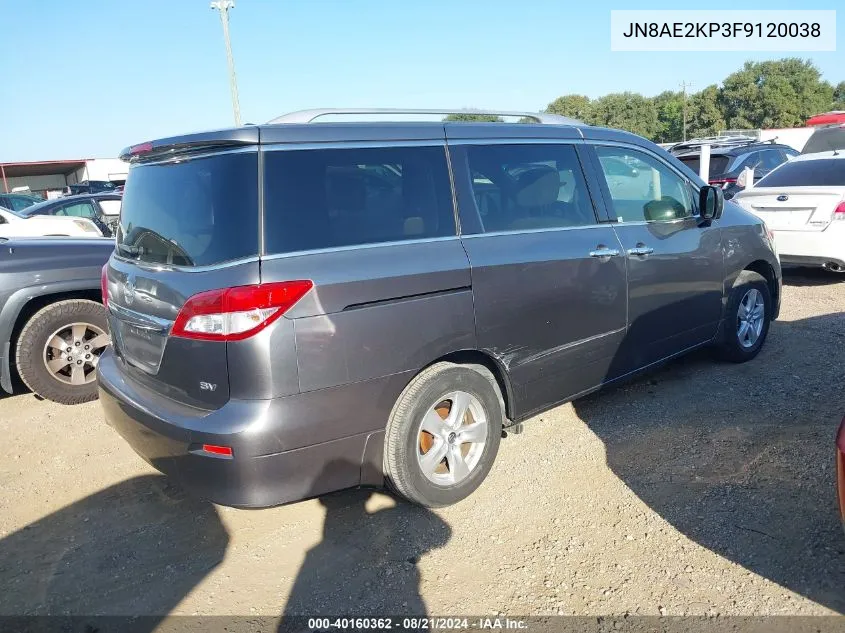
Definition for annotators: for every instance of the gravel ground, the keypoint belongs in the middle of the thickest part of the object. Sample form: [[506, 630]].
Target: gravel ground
[[703, 488]]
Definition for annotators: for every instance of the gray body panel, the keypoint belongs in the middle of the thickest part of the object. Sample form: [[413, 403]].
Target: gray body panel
[[318, 384], [40, 267]]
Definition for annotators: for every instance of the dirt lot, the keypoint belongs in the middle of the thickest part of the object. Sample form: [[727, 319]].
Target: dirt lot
[[703, 488]]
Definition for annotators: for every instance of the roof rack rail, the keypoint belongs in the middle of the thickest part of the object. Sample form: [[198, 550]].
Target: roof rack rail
[[716, 141], [309, 116]]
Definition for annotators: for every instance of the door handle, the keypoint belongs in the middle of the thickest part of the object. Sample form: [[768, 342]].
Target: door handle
[[604, 251], [641, 249]]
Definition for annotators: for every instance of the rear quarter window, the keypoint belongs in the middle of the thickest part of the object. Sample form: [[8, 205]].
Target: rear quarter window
[[194, 212], [813, 173], [327, 198]]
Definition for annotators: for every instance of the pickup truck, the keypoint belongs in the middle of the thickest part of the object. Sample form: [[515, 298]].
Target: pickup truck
[[53, 325]]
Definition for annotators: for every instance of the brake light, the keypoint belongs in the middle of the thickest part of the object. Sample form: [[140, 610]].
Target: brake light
[[723, 182], [225, 451], [839, 212], [233, 314], [142, 148], [104, 284]]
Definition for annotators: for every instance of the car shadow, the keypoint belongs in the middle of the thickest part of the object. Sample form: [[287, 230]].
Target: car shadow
[[366, 562], [739, 458], [138, 547], [805, 276]]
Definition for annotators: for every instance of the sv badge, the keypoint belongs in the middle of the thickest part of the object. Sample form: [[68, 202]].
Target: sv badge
[[207, 386]]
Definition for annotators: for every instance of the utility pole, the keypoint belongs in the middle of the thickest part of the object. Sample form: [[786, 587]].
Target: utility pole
[[684, 86], [223, 6]]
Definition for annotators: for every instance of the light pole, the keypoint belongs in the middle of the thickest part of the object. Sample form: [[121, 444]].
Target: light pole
[[684, 86], [223, 6]]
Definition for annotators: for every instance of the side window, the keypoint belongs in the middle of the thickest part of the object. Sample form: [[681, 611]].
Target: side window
[[523, 187], [343, 197], [769, 159], [643, 188], [19, 204], [751, 160], [78, 210]]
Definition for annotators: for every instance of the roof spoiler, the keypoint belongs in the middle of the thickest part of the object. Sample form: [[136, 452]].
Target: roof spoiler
[[309, 116], [191, 143]]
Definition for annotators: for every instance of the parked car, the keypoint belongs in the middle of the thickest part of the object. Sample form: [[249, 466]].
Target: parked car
[[730, 156], [345, 319], [103, 209], [18, 201], [803, 203], [16, 224], [53, 326], [91, 186], [828, 138], [840, 469]]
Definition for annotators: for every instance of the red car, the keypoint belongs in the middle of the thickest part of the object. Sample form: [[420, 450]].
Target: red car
[[840, 468]]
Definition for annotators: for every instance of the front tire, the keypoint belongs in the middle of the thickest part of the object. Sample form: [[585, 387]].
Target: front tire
[[747, 318], [443, 434], [59, 348]]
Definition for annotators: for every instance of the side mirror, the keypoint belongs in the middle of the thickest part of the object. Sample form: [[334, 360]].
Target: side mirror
[[711, 201]]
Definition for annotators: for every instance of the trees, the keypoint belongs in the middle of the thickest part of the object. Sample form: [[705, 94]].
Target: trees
[[627, 111], [574, 106], [780, 93], [468, 116], [767, 94]]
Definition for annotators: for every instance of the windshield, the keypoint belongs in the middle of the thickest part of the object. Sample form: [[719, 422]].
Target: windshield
[[194, 212], [718, 164], [822, 172]]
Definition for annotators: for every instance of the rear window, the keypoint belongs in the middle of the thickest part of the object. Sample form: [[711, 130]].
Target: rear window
[[825, 139], [196, 212], [343, 197], [815, 173], [718, 164]]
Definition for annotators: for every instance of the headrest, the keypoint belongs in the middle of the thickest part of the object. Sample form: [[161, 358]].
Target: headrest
[[413, 227], [538, 187]]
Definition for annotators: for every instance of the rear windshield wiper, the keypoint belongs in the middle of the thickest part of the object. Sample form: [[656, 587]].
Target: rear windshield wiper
[[130, 251]]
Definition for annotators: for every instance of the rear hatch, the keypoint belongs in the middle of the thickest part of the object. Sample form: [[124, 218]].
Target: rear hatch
[[188, 225], [793, 208], [800, 195]]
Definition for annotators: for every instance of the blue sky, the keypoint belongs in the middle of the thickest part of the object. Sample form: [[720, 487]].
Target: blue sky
[[86, 78]]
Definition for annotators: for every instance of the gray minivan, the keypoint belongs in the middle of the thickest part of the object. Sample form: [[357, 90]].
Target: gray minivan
[[301, 307]]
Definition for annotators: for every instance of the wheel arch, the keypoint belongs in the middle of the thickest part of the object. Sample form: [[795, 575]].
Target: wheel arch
[[478, 357], [765, 270], [23, 304]]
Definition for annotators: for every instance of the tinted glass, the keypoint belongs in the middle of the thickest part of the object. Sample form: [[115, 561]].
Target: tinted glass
[[195, 212], [19, 203], [523, 187], [823, 172], [718, 164], [769, 159], [646, 189], [78, 210], [825, 139], [342, 197]]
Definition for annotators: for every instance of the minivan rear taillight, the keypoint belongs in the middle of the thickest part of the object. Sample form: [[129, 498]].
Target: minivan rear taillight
[[233, 314], [839, 212], [104, 284]]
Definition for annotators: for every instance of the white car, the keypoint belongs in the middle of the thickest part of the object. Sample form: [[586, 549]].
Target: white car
[[803, 204], [14, 225]]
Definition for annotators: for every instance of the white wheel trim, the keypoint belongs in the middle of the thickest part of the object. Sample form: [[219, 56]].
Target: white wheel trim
[[457, 442]]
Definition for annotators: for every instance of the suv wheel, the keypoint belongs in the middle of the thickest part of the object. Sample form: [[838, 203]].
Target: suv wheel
[[443, 434], [59, 348], [747, 318]]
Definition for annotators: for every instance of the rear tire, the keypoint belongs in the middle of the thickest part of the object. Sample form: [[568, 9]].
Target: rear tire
[[34, 352], [744, 329], [451, 410]]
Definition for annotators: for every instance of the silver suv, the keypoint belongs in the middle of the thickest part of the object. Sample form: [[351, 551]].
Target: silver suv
[[300, 307]]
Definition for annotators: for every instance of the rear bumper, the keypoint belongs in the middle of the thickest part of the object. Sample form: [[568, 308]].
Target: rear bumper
[[812, 248], [170, 438], [840, 470]]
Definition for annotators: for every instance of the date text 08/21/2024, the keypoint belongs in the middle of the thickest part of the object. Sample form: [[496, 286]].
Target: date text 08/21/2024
[[416, 624]]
